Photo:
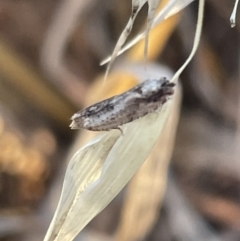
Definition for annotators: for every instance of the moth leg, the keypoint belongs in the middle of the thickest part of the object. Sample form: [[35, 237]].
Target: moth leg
[[118, 128]]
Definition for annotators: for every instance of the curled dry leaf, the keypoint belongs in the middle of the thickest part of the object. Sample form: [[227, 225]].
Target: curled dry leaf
[[171, 8], [100, 169]]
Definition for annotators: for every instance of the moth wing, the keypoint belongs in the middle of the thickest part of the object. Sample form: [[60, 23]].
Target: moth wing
[[134, 100], [98, 107]]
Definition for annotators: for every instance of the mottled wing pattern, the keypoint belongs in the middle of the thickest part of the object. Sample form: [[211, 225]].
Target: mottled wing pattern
[[98, 108], [124, 108]]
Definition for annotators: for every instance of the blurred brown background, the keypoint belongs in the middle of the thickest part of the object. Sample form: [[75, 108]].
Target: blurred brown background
[[49, 58]]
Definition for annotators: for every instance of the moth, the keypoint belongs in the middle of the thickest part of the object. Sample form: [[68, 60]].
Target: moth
[[137, 102]]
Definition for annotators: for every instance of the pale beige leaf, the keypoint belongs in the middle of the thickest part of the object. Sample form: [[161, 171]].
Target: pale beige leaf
[[147, 188], [100, 169]]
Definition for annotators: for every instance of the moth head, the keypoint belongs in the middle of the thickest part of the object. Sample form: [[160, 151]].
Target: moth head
[[77, 121]]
